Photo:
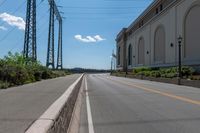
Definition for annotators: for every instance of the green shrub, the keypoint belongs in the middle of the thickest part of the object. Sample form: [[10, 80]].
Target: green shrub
[[147, 73], [170, 75], [4, 85], [38, 76], [155, 74], [16, 70], [140, 73], [141, 69], [187, 71], [14, 74], [47, 74], [163, 72]]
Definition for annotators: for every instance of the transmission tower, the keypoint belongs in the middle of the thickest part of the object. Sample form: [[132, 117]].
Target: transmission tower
[[59, 57], [50, 50], [30, 49]]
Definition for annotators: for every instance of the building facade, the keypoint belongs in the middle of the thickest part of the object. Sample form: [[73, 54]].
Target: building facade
[[151, 40]]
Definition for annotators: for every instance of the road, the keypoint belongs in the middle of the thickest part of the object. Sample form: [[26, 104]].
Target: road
[[21, 106], [120, 105]]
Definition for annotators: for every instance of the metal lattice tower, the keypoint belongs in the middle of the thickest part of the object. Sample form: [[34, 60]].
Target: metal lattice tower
[[50, 51], [59, 57], [30, 49]]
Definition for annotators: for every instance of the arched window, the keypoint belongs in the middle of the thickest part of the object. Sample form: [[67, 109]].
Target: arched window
[[192, 32], [141, 58], [129, 55], [118, 55], [159, 45]]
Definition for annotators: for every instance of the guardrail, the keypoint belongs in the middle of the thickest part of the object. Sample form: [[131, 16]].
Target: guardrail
[[57, 117]]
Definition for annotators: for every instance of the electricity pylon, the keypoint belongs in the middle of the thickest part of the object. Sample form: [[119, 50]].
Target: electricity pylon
[[50, 50], [30, 48], [59, 57]]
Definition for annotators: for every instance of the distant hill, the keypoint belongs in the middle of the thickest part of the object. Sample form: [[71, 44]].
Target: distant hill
[[85, 70]]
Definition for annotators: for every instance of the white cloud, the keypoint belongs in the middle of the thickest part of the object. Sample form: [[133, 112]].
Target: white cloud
[[89, 39], [13, 20], [99, 38], [3, 28]]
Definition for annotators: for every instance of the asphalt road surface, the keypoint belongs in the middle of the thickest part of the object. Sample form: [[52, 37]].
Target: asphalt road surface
[[21, 106], [120, 105]]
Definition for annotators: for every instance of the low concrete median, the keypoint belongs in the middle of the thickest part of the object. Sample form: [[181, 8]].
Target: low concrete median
[[57, 117]]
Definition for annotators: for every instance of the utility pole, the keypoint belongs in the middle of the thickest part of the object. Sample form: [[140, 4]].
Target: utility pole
[[114, 60], [111, 66], [179, 61], [30, 48], [126, 67]]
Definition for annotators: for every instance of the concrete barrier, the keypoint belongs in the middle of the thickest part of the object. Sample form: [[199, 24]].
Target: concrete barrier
[[75, 119], [56, 118]]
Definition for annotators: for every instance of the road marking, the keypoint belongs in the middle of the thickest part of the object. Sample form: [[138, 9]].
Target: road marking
[[196, 102], [89, 114]]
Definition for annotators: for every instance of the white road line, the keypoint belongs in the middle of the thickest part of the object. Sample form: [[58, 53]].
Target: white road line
[[89, 114]]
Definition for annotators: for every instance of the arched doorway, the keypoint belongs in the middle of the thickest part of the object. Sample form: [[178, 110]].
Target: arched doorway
[[141, 58], [130, 55], [159, 45], [192, 32]]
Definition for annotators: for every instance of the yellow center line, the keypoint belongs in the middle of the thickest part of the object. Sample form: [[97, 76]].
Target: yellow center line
[[196, 102]]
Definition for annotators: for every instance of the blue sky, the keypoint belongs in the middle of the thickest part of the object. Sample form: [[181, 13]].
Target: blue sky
[[89, 31]]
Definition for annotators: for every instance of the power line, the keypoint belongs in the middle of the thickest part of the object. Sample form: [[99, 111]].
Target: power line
[[5, 36], [16, 44], [101, 13], [102, 8], [16, 10], [2, 3], [128, 0]]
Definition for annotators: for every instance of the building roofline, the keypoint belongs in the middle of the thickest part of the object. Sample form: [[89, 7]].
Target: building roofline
[[154, 3], [121, 32]]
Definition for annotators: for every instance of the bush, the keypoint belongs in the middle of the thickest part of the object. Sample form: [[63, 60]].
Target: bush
[[187, 71], [4, 85], [170, 75], [140, 73], [163, 72], [47, 74], [16, 70], [155, 74], [147, 73], [141, 69], [14, 74]]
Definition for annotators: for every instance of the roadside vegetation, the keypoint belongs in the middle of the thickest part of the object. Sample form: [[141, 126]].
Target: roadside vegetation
[[16, 70], [187, 72]]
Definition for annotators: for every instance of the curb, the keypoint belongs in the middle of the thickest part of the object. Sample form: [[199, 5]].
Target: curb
[[53, 119], [75, 119]]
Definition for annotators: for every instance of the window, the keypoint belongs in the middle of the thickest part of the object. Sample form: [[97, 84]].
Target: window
[[129, 55], [157, 11], [141, 23], [141, 53], [159, 45], [129, 33], [161, 7], [118, 56]]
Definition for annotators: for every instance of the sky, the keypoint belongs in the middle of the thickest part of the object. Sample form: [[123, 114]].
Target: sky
[[89, 28]]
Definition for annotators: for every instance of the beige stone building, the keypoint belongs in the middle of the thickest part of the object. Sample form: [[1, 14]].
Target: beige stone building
[[151, 40]]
